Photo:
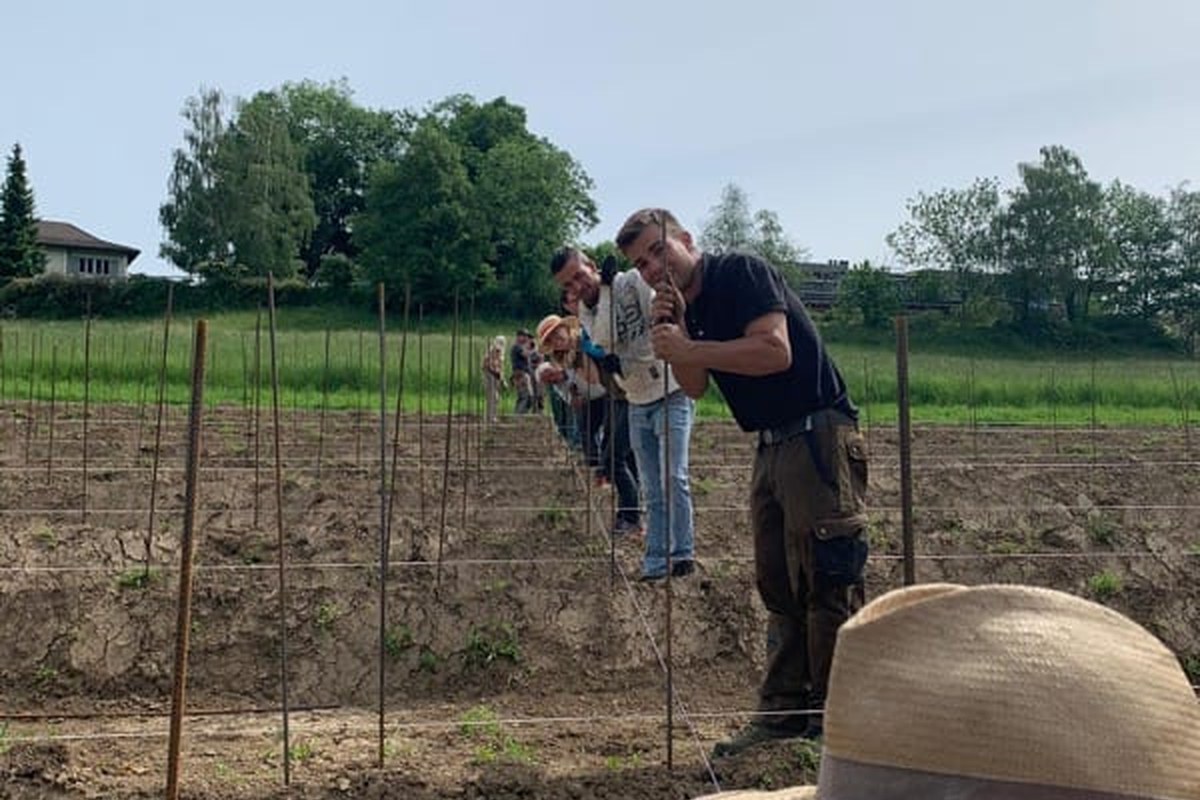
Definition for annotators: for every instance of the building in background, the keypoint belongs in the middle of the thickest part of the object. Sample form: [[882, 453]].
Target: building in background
[[75, 253]]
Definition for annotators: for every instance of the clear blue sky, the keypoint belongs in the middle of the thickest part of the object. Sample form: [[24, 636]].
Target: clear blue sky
[[830, 114]]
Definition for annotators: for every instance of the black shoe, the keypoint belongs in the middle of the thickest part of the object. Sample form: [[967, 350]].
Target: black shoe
[[652, 578], [681, 569], [755, 734]]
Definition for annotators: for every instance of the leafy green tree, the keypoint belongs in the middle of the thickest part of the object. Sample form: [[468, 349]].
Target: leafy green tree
[[1183, 306], [341, 143], [337, 271], [1052, 235], [418, 227], [732, 226], [1145, 271], [20, 254], [529, 196], [238, 204], [266, 189], [197, 213], [871, 293], [772, 243], [951, 230]]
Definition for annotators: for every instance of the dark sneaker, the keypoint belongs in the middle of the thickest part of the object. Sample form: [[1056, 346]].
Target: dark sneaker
[[627, 527], [755, 734], [681, 569], [648, 578]]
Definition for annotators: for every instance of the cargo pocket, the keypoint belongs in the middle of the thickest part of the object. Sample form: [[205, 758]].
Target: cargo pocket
[[840, 550], [852, 472]]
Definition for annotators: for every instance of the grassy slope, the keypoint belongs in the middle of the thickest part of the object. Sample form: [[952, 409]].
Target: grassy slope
[[948, 382]]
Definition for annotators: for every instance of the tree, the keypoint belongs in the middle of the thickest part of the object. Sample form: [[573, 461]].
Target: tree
[[196, 215], [951, 230], [730, 225], [238, 202], [871, 292], [521, 198], [1052, 235], [20, 254], [531, 197], [1145, 272], [418, 228], [270, 209], [733, 226], [1183, 306], [340, 144]]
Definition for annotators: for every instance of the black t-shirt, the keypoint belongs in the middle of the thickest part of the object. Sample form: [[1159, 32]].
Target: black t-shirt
[[520, 359], [736, 289]]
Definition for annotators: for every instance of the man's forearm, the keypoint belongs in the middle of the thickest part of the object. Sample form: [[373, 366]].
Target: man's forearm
[[693, 380], [749, 355]]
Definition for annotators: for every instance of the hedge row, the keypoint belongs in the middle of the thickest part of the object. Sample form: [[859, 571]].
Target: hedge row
[[55, 297]]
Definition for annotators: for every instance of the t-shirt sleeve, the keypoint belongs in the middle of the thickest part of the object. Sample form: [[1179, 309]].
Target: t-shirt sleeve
[[756, 289]]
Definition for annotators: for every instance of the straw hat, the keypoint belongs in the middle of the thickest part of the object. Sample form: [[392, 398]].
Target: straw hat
[[549, 324], [553, 322], [1005, 691]]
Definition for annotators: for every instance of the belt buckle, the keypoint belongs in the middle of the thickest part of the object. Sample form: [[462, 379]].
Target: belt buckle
[[774, 436]]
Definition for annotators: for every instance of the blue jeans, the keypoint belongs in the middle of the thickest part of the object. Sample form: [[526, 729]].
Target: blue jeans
[[646, 437]]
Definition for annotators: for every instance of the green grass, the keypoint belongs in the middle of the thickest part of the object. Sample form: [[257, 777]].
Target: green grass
[[39, 358]]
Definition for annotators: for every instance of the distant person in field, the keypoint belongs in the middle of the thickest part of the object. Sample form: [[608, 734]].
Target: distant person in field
[[654, 398], [521, 373], [733, 317], [944, 692], [493, 376]]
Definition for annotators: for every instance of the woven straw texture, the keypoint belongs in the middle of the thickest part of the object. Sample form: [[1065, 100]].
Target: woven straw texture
[[1013, 683]]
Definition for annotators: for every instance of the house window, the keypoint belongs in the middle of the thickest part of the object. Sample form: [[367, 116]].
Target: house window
[[90, 265]]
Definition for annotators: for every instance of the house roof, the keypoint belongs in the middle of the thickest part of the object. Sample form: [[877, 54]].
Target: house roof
[[64, 234]]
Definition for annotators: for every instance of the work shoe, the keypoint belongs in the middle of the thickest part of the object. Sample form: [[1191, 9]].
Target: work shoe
[[755, 734], [627, 527], [681, 569]]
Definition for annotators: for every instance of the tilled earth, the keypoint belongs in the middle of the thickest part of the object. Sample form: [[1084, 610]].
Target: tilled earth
[[530, 663]]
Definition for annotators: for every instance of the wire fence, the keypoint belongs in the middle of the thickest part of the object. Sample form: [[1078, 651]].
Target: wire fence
[[83, 443]]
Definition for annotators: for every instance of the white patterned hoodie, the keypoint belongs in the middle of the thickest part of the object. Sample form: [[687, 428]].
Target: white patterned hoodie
[[642, 373]]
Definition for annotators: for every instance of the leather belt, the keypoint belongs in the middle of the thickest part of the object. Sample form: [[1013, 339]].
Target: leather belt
[[785, 432]]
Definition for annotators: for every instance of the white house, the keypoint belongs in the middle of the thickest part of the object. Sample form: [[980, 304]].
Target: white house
[[76, 253]]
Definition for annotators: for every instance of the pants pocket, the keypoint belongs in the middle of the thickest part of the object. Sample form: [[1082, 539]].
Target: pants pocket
[[852, 471], [840, 550]]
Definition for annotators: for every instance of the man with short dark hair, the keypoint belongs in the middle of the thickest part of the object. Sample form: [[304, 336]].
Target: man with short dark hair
[[654, 399], [733, 317]]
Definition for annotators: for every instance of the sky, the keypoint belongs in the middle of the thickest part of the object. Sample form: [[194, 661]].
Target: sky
[[832, 115]]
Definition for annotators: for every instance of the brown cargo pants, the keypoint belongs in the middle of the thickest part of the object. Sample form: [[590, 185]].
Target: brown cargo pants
[[808, 512]]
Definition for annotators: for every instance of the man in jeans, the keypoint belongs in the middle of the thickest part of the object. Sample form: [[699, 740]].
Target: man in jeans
[[623, 300], [734, 317]]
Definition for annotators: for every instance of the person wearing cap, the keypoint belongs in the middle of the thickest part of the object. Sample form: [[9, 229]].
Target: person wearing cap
[[522, 371], [947, 692], [734, 318], [615, 311]]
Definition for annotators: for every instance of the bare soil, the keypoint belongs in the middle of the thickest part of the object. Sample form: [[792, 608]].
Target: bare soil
[[530, 663]]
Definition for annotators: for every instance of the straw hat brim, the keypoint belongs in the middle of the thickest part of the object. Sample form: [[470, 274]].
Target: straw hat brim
[[791, 793]]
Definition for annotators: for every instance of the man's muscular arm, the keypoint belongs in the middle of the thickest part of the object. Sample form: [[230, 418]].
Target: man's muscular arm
[[762, 349]]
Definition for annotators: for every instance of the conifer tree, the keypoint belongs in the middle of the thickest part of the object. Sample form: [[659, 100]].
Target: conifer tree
[[20, 255]]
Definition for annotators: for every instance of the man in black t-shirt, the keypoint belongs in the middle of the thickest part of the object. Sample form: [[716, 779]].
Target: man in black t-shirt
[[733, 317]]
